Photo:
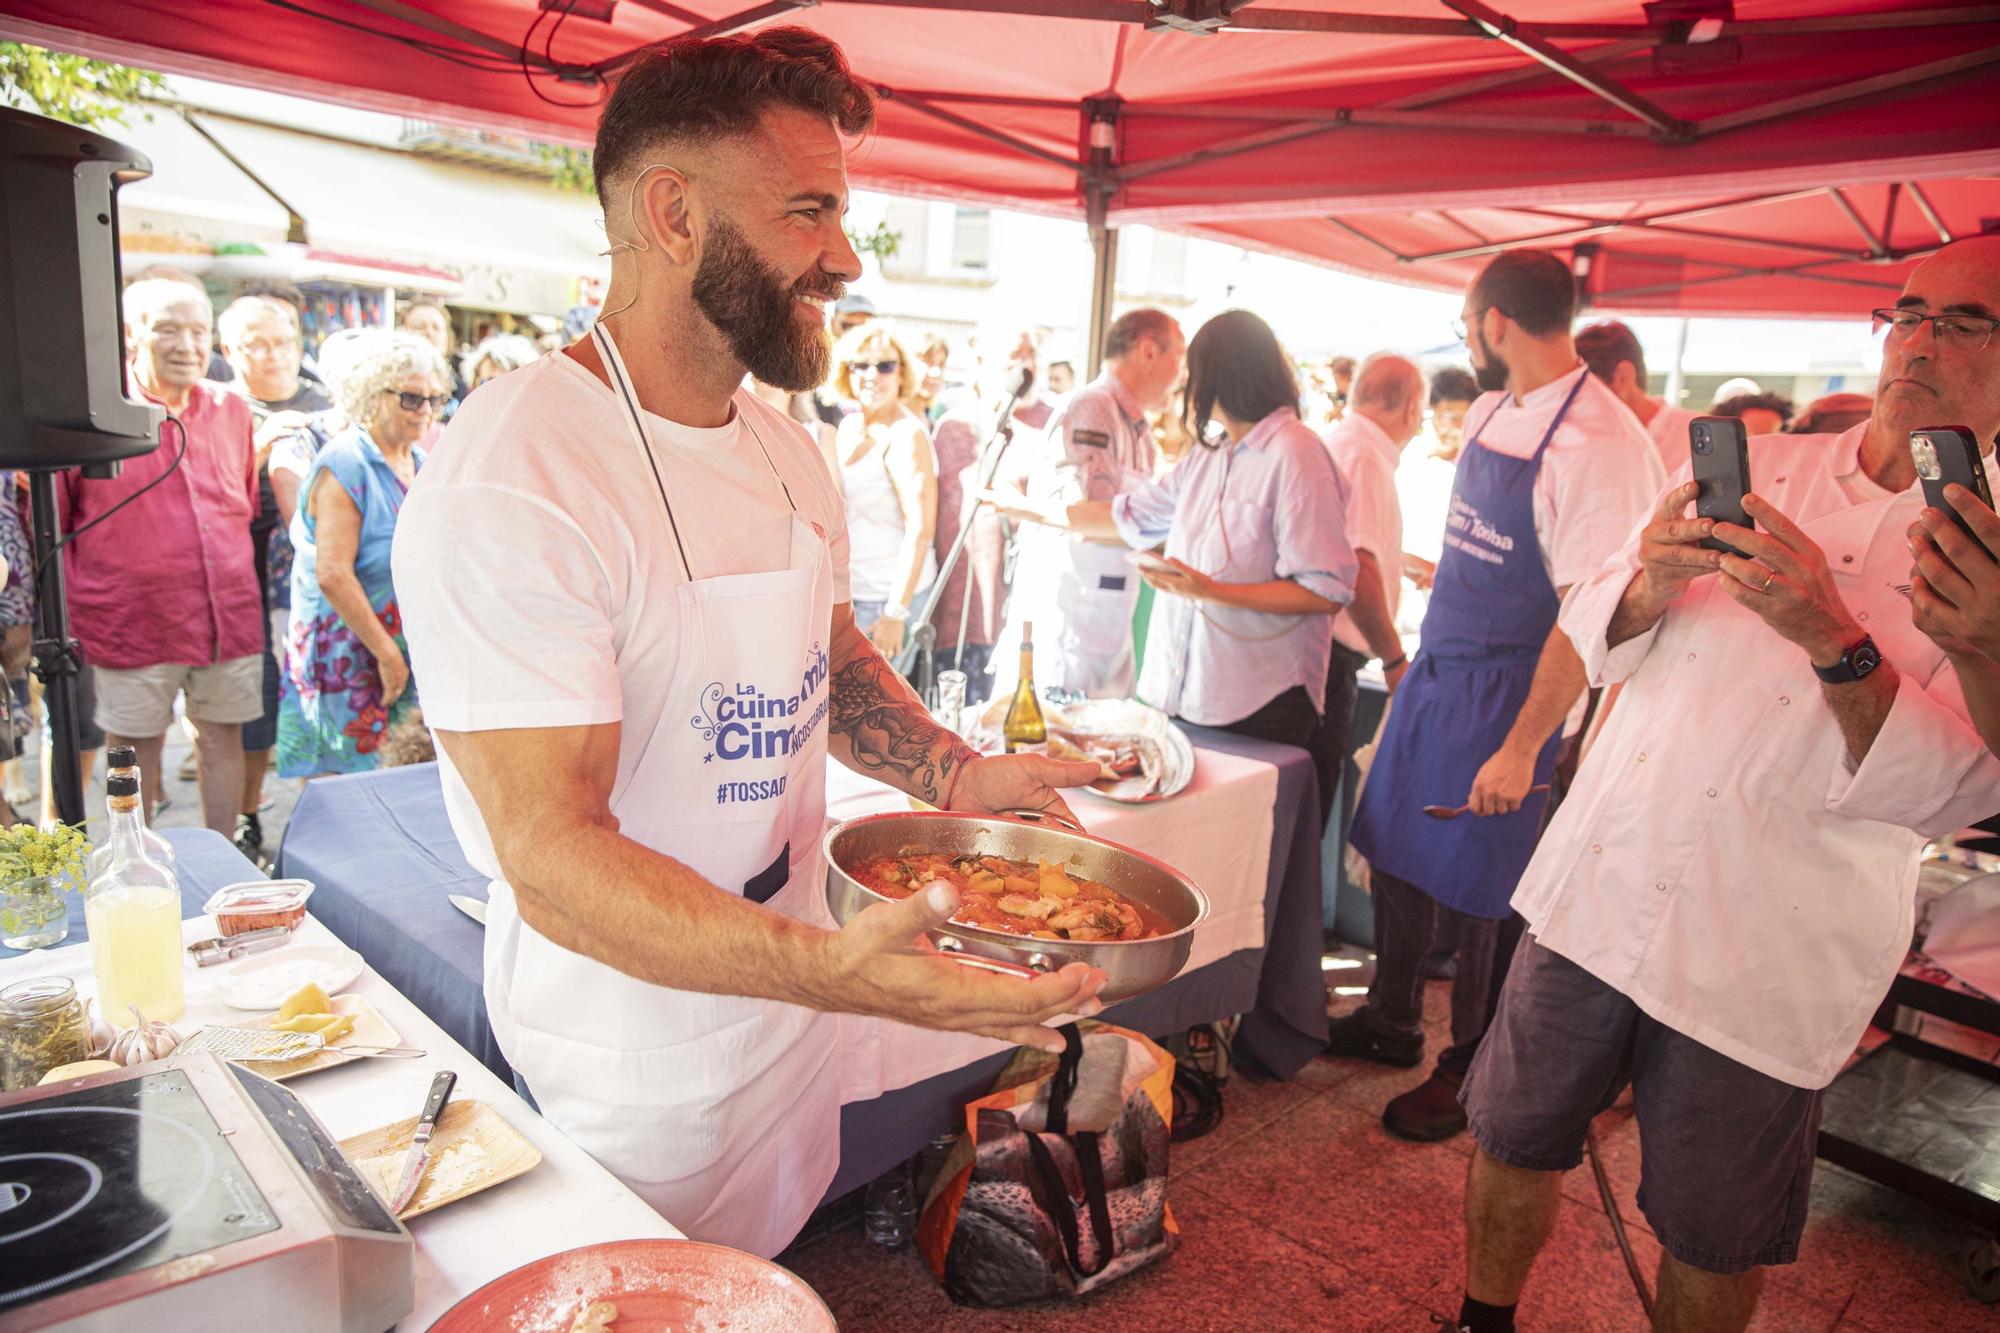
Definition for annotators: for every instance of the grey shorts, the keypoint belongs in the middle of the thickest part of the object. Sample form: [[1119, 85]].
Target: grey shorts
[[1725, 1153], [139, 702]]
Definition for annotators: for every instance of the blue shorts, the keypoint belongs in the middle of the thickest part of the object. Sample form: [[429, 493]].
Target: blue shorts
[[1725, 1153]]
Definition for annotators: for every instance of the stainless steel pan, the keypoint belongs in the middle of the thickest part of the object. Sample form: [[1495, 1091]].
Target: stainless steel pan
[[1132, 967]]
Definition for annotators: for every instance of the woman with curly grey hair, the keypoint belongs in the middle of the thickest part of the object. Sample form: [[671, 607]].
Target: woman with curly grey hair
[[347, 674]]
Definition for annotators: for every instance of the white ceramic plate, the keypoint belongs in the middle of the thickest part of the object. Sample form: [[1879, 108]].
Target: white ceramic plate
[[264, 980], [1106, 717]]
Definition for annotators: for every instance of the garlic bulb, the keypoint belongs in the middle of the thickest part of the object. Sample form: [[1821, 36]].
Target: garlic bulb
[[148, 1041], [102, 1034]]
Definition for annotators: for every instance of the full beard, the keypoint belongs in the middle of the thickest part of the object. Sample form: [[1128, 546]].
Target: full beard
[[756, 311], [1491, 376]]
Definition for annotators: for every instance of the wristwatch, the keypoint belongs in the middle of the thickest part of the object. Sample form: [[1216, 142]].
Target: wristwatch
[[1853, 665]]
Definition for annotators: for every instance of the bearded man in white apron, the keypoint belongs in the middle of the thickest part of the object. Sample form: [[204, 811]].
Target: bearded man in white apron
[[625, 593]]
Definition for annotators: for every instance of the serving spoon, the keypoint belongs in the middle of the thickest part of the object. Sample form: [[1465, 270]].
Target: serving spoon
[[1453, 812]]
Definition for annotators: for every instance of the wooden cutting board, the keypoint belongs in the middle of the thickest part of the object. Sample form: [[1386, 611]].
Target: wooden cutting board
[[472, 1149], [370, 1029]]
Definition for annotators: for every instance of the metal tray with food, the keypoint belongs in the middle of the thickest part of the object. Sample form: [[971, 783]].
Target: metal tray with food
[[1063, 895], [1142, 754]]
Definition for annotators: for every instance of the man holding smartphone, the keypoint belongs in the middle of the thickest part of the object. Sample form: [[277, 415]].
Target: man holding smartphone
[[1726, 894]]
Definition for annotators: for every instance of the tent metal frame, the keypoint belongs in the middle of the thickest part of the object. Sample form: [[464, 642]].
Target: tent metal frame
[[1100, 174]]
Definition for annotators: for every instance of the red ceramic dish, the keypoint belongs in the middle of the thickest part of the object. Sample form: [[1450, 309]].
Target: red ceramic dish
[[658, 1285]]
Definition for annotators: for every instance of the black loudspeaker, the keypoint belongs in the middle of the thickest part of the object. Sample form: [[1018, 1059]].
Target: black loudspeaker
[[62, 336]]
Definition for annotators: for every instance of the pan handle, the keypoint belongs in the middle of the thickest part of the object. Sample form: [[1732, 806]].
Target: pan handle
[[953, 948], [1042, 817]]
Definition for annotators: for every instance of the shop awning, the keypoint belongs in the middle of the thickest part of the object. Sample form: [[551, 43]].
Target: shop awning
[[1375, 141]]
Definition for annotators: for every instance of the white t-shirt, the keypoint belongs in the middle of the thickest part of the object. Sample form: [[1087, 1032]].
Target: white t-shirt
[[1599, 478], [535, 568], [1669, 429], [1367, 458]]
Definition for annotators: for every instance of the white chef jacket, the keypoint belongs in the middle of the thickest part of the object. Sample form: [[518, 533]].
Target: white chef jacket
[[1367, 460], [1720, 860], [1669, 432]]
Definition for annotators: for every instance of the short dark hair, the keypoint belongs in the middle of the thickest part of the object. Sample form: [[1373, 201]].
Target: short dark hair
[[1236, 364], [702, 89], [1454, 384], [1603, 345], [1137, 326], [1744, 402], [1341, 365], [1531, 287]]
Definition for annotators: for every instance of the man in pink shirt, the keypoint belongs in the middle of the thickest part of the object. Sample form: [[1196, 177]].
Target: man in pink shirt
[[163, 593]]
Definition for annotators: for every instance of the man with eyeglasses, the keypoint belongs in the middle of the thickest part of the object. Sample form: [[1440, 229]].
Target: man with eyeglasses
[[1554, 472], [1726, 894], [163, 593], [260, 340]]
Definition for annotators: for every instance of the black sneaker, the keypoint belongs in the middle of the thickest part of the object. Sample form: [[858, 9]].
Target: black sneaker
[[1352, 1038], [250, 837]]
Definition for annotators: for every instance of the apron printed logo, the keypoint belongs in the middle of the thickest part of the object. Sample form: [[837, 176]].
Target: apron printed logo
[[741, 721], [1464, 528]]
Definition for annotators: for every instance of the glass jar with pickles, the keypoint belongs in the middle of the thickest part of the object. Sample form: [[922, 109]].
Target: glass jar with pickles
[[43, 1026]]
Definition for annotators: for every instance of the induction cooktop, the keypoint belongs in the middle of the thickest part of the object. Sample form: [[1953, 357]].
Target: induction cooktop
[[110, 1179]]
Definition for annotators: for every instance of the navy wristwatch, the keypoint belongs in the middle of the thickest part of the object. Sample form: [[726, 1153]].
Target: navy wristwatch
[[1854, 664]]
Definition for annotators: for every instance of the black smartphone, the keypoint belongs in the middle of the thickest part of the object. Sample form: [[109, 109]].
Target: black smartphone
[[1720, 450], [1944, 454]]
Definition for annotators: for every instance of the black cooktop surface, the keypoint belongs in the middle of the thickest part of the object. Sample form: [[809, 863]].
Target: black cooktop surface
[[114, 1179]]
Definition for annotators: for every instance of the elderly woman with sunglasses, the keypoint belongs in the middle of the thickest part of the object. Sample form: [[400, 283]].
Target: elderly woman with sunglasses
[[347, 674], [888, 475]]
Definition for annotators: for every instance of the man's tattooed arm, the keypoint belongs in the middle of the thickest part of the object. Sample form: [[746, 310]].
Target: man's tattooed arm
[[878, 726]]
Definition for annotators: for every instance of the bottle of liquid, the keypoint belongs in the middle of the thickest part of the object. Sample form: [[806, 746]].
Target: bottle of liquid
[[1024, 728], [889, 1217], [123, 760], [133, 911]]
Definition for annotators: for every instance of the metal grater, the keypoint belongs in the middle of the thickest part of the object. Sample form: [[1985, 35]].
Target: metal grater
[[254, 1045]]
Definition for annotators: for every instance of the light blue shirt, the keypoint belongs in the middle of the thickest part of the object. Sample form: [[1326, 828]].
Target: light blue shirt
[[1271, 506]]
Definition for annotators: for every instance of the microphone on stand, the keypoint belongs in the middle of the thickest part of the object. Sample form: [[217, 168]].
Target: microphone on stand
[[920, 645]]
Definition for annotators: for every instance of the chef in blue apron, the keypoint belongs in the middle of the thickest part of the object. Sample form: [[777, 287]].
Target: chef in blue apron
[[1555, 474]]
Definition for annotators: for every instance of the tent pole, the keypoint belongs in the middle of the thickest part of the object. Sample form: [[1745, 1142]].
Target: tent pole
[[1100, 183], [1677, 376]]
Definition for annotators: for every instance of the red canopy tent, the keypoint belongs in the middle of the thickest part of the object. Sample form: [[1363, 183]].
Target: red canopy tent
[[1787, 159]]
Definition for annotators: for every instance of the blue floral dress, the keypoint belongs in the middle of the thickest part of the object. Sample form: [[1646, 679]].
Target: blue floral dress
[[330, 713]]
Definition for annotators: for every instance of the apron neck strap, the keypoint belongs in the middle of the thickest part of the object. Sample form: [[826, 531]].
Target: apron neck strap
[[1548, 434], [621, 384]]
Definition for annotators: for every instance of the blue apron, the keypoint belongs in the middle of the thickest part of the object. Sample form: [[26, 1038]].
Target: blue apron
[[1491, 609]]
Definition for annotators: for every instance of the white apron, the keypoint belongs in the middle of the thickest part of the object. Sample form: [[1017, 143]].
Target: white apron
[[721, 1112]]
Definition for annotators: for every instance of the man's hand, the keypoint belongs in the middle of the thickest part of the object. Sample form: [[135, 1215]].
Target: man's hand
[[1786, 582], [1183, 580], [1955, 581], [1419, 571], [887, 635], [884, 964], [1502, 782], [1670, 550], [994, 783], [278, 423], [1012, 504]]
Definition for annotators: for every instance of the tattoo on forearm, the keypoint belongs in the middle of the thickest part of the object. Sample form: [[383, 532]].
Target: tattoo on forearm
[[889, 732]]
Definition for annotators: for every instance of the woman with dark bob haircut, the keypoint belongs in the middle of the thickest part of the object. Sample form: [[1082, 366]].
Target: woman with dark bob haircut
[[1256, 561]]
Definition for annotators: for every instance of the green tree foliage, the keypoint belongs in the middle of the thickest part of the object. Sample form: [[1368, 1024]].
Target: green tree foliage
[[90, 93]]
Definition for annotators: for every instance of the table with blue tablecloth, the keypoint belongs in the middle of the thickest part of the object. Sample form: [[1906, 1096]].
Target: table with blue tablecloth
[[380, 850], [205, 860]]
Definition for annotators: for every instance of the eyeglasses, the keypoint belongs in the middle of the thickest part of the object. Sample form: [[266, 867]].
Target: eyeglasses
[[888, 367], [267, 347], [1968, 333], [417, 402]]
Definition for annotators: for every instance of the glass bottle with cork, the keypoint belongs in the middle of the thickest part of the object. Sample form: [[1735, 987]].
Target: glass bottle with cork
[[133, 910], [123, 760], [1025, 730]]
